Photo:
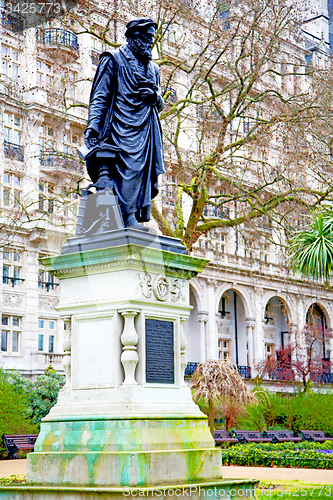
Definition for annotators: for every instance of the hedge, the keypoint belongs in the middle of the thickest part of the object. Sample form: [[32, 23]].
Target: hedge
[[302, 455]]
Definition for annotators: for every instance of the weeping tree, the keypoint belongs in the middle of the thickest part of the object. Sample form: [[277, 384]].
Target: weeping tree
[[218, 387], [311, 249]]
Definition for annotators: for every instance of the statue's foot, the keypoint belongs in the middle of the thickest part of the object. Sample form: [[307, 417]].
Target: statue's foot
[[131, 222]]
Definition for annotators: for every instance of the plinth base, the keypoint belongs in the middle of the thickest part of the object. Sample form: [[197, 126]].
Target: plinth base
[[124, 452], [220, 490], [125, 469]]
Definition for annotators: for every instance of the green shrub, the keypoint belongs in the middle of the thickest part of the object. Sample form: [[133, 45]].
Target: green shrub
[[304, 455], [269, 412], [15, 411], [41, 394], [310, 410]]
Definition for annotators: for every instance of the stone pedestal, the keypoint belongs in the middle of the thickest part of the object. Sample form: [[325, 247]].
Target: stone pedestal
[[125, 418]]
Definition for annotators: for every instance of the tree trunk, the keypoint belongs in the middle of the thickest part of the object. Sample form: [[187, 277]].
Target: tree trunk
[[227, 424]]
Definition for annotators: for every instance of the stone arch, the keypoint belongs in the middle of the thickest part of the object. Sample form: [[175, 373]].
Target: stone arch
[[290, 310], [241, 291], [198, 292], [322, 307], [276, 324], [231, 324], [192, 327], [318, 317]]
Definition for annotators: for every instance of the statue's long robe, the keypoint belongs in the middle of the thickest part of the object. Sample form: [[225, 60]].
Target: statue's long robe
[[121, 119]]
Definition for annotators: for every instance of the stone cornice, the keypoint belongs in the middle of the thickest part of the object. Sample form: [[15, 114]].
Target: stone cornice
[[125, 256]]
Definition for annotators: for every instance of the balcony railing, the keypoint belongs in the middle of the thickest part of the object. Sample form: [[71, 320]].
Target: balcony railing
[[282, 373], [48, 285], [58, 162], [208, 113], [58, 37], [285, 374], [13, 151], [321, 377], [12, 23], [52, 358], [94, 54], [244, 371], [12, 279], [190, 368]]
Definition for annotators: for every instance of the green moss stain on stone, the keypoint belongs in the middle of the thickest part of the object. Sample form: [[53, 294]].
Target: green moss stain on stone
[[93, 463], [142, 469], [125, 472], [125, 435], [195, 463]]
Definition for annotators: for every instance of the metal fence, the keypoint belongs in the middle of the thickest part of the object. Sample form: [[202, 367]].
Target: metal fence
[[244, 371], [13, 151]]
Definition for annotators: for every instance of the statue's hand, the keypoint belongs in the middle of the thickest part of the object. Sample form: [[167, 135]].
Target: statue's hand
[[90, 137], [149, 96]]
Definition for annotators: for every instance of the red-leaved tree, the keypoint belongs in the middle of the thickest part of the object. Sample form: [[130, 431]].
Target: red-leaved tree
[[307, 359]]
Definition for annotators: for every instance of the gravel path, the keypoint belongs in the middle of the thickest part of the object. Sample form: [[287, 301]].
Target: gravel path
[[12, 467], [314, 476]]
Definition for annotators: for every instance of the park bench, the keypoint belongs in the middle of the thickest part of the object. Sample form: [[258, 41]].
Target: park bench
[[16, 442], [318, 436], [223, 437], [283, 436], [251, 437]]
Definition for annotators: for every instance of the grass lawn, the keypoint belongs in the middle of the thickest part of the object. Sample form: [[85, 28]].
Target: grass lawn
[[285, 490]]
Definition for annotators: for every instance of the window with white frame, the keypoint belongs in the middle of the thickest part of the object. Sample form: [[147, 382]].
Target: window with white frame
[[46, 145], [220, 242], [9, 63], [71, 142], [70, 203], [223, 348], [12, 128], [47, 329], [169, 190], [71, 78], [12, 189], [46, 197], [97, 48], [285, 76], [249, 253], [10, 334], [11, 267], [264, 253], [44, 74], [46, 281], [269, 351]]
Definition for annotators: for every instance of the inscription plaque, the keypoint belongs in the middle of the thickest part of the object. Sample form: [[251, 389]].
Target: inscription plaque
[[159, 352]]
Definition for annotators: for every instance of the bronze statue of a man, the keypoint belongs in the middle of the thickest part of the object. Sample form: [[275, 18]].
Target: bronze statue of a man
[[124, 130]]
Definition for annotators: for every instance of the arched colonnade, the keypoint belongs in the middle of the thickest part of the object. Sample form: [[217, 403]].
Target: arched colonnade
[[248, 324]]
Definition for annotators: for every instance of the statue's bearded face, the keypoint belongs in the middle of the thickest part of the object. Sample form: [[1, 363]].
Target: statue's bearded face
[[141, 44]]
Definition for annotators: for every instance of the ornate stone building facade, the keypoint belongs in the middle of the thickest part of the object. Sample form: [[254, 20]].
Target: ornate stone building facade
[[246, 305]]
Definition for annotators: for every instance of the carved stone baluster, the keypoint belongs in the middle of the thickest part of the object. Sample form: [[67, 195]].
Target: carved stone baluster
[[67, 347], [129, 339], [183, 345]]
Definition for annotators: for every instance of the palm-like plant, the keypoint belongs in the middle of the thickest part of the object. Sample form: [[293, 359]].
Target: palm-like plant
[[312, 249]]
